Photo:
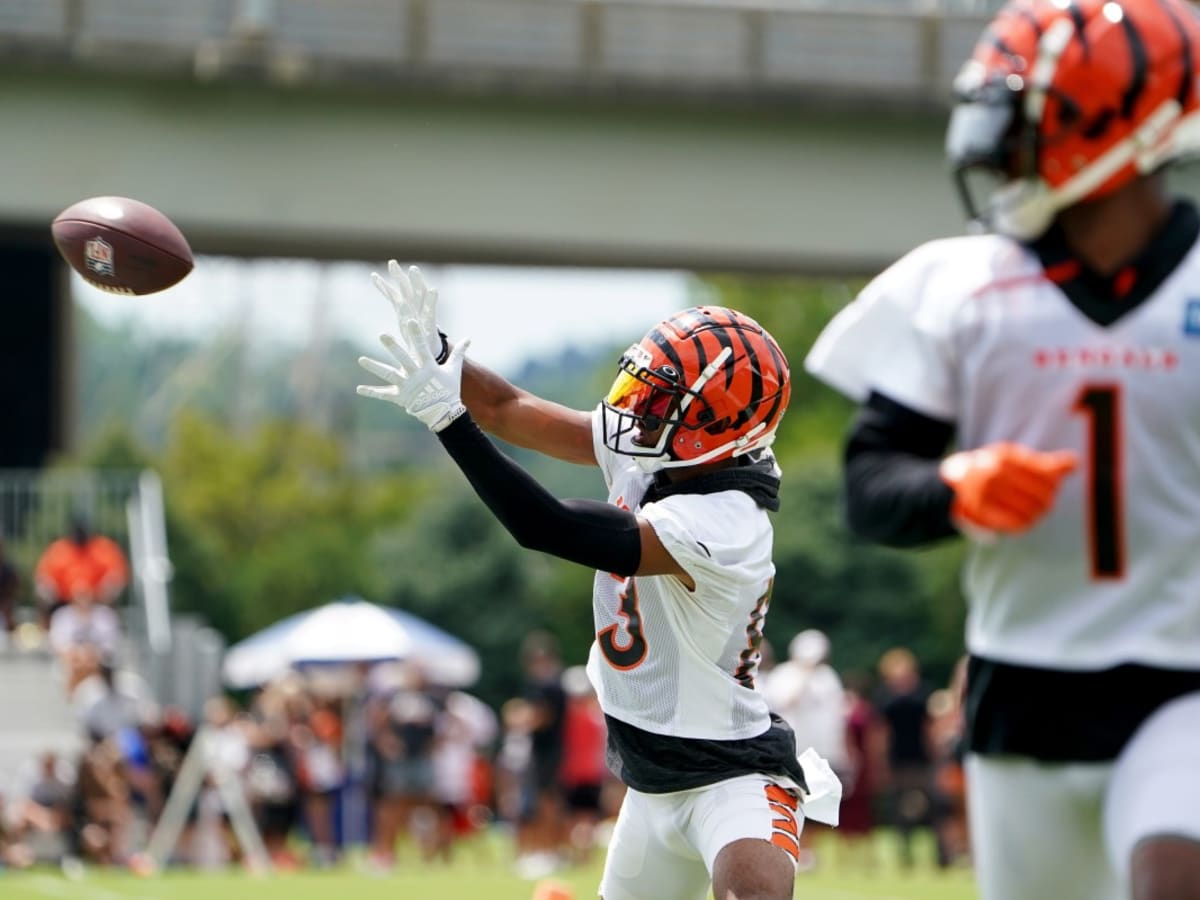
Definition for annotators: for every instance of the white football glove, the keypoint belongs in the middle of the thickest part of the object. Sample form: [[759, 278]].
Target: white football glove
[[412, 298], [429, 390]]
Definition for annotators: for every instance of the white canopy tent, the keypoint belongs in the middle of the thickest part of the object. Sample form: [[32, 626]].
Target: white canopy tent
[[350, 630]]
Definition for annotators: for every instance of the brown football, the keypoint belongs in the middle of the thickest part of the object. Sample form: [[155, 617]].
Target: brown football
[[122, 245]]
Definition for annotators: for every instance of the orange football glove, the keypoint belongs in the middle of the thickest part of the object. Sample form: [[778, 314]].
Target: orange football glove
[[1004, 487]]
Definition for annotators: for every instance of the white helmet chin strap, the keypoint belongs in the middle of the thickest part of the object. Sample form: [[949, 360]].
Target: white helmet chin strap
[[754, 439], [1024, 209]]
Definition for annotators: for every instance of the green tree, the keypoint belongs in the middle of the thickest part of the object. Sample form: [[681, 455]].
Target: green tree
[[271, 523]]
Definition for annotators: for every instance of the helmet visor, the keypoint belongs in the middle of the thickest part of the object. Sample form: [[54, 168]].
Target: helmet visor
[[642, 393]]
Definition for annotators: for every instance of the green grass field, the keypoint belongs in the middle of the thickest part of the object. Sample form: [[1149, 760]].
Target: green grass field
[[478, 873]]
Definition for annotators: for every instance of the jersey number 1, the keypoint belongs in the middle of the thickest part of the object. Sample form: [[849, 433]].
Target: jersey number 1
[[1101, 404]]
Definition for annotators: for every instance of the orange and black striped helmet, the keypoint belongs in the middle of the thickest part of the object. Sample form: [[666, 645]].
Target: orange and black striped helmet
[[1068, 100], [706, 384]]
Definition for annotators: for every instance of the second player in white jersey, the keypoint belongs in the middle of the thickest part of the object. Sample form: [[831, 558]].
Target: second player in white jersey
[[1036, 390], [971, 331]]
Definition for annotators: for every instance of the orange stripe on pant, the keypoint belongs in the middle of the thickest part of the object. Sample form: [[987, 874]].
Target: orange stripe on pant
[[786, 833], [776, 794], [786, 843]]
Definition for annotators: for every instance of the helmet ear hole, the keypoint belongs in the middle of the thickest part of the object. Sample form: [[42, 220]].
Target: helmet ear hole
[[705, 419]]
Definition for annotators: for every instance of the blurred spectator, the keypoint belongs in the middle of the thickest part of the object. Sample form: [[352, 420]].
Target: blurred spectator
[[81, 564], [42, 821], [82, 659], [946, 743], [402, 737], [103, 801], [540, 826], [461, 787], [207, 842], [321, 777], [808, 694], [904, 706], [271, 780], [514, 759], [866, 749], [583, 772], [806, 691], [13, 853], [10, 587], [105, 708], [49, 802], [83, 635], [168, 736]]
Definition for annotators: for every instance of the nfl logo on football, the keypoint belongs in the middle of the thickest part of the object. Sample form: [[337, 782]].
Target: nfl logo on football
[[98, 254]]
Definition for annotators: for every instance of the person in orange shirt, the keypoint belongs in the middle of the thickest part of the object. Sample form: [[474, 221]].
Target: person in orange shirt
[[80, 563]]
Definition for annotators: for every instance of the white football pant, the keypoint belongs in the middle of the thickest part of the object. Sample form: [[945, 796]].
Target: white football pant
[[1042, 831]]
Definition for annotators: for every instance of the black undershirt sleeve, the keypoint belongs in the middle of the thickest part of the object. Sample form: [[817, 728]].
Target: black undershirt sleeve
[[589, 532], [894, 495]]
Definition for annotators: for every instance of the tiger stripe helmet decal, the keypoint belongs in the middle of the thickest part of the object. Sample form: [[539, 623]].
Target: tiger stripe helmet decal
[[706, 384], [1068, 100]]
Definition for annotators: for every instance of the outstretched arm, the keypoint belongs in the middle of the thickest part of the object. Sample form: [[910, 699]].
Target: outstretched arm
[[589, 532], [526, 420]]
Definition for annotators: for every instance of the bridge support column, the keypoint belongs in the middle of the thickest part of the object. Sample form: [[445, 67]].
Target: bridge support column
[[37, 364]]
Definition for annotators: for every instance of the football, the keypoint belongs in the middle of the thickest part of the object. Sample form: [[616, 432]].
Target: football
[[122, 245]]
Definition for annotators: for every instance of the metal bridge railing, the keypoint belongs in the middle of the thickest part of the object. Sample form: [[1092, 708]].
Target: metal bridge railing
[[887, 48]]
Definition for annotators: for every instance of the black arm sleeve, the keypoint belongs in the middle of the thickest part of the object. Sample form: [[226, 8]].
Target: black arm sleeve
[[588, 532], [894, 495]]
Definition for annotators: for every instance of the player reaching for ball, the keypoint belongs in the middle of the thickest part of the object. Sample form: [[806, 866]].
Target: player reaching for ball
[[683, 553], [1061, 354]]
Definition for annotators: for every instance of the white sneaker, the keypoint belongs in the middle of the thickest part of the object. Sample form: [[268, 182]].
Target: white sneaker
[[533, 866]]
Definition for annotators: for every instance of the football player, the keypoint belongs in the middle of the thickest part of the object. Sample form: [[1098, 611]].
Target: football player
[[1037, 389], [682, 550]]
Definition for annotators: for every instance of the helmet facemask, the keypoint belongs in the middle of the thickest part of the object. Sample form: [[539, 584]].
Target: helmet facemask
[[997, 135], [650, 406], [994, 155]]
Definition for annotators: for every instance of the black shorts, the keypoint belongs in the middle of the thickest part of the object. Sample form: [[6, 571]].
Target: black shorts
[[584, 797], [1058, 716]]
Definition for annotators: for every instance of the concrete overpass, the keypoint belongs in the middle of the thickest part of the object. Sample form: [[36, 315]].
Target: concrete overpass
[[704, 135], [714, 135], [254, 169]]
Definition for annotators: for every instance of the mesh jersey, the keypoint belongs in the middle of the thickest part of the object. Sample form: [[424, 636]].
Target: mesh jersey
[[968, 330], [673, 661]]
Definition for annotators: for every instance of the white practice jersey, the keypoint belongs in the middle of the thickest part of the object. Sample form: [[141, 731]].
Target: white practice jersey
[[970, 331], [677, 662]]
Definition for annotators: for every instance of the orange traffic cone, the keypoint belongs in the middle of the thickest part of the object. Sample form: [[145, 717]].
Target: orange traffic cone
[[549, 889]]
